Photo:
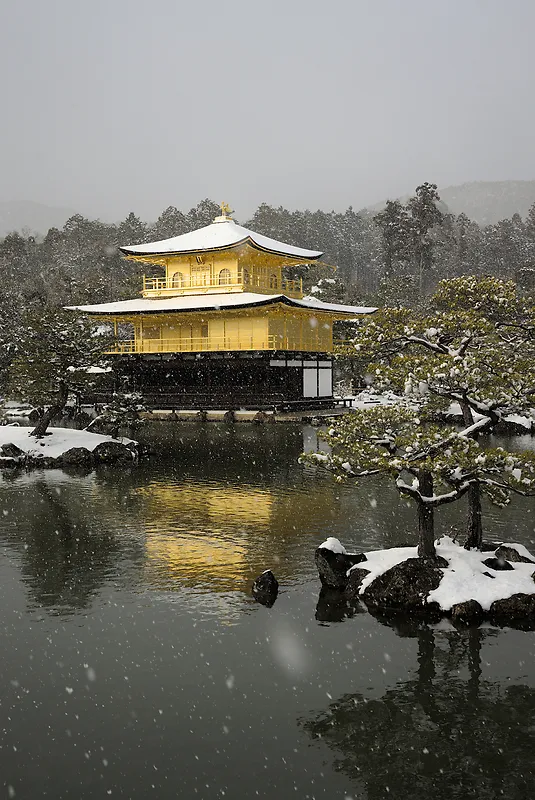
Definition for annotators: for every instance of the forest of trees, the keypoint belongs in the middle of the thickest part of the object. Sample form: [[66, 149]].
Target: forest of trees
[[393, 257]]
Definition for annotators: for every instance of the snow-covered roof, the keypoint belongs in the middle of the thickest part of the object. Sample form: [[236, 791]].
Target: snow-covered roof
[[213, 302], [222, 234]]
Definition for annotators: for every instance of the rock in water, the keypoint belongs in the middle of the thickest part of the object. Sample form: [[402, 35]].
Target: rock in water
[[356, 576], [518, 607], [506, 552], [266, 588], [333, 567], [10, 450], [110, 452], [405, 586], [77, 456], [497, 564], [467, 613]]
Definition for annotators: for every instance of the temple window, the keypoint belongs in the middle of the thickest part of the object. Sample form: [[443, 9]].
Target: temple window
[[177, 280], [246, 276], [204, 331], [224, 277], [273, 282]]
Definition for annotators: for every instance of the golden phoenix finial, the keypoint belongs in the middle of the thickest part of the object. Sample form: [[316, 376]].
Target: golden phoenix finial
[[226, 210]]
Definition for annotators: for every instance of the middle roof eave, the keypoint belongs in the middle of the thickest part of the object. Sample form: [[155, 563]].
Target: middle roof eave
[[214, 302]]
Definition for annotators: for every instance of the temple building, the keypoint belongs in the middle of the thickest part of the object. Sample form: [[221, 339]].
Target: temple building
[[222, 327]]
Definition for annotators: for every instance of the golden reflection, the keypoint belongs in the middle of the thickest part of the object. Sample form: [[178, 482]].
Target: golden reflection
[[242, 504], [181, 548]]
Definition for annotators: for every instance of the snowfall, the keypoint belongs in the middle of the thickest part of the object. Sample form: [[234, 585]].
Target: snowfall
[[464, 579], [56, 441]]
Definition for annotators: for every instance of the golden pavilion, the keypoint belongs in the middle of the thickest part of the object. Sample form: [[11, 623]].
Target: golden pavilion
[[223, 327]]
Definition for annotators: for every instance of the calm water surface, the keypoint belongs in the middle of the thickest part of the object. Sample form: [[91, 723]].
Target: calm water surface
[[135, 663]]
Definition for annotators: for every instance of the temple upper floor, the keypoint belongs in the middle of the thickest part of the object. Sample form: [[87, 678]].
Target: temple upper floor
[[220, 258], [219, 274]]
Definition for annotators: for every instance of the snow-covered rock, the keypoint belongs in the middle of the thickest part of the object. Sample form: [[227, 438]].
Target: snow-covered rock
[[455, 579], [61, 445]]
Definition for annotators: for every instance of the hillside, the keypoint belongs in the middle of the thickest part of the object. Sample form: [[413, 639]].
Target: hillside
[[485, 202], [35, 217]]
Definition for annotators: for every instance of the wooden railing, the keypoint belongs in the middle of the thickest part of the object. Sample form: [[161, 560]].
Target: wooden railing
[[244, 283], [218, 344]]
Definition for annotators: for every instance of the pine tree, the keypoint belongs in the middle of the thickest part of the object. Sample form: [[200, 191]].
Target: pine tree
[[474, 347], [171, 222], [56, 352], [394, 223], [425, 215]]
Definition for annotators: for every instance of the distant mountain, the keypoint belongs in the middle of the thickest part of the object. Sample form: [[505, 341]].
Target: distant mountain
[[487, 202], [36, 217]]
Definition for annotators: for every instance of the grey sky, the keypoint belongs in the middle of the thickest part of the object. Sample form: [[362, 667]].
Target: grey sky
[[118, 105]]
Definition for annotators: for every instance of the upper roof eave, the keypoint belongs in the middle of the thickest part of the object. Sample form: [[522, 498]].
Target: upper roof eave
[[313, 256], [217, 237]]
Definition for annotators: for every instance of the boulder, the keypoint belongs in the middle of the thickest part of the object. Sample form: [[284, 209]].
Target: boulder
[[10, 450], [467, 613], [42, 462], [505, 552], [518, 606], [405, 586], [10, 463], [266, 588], [497, 564], [202, 415], [111, 452], [261, 417], [333, 567], [354, 582], [228, 416], [78, 456]]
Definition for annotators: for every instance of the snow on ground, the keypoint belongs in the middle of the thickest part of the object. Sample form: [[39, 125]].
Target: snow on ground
[[53, 446], [369, 398], [517, 419], [464, 578]]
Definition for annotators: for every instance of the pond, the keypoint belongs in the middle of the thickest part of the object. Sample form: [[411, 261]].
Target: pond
[[135, 662]]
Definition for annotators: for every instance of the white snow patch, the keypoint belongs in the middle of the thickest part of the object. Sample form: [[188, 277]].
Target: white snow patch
[[464, 579], [334, 545]]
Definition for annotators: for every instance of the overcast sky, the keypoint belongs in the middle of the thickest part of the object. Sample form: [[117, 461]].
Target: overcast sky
[[117, 105]]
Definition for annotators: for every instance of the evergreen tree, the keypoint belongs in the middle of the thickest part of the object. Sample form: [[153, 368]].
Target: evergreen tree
[[56, 352], [202, 214], [171, 222], [475, 347], [425, 215], [394, 223], [132, 231]]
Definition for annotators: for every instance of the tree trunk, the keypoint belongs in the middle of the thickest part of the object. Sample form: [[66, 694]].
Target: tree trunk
[[475, 524], [426, 518], [474, 521], [52, 411]]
